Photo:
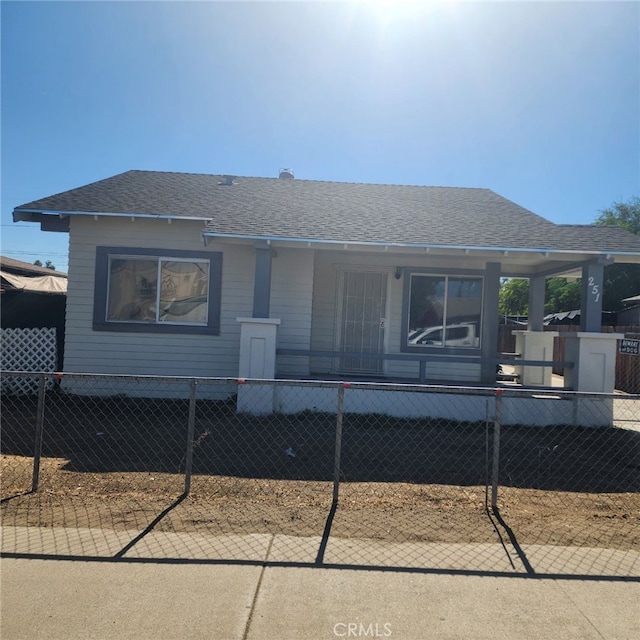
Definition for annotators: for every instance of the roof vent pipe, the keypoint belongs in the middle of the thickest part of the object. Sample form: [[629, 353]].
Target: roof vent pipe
[[286, 174]]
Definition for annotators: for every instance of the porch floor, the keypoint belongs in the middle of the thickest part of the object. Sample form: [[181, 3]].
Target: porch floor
[[557, 381]]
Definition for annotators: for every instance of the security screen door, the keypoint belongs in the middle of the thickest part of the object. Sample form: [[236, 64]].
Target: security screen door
[[364, 300]]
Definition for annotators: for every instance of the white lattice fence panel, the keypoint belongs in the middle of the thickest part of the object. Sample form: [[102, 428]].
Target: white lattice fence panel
[[27, 350]]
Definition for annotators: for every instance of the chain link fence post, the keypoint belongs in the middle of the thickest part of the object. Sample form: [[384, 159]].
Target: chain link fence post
[[338, 449], [487, 420], [188, 465], [37, 450], [496, 448]]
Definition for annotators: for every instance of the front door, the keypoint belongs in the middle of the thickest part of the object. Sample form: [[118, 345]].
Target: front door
[[362, 322]]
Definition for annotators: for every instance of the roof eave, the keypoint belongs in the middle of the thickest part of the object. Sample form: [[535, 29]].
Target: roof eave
[[56, 223], [45, 216], [544, 251]]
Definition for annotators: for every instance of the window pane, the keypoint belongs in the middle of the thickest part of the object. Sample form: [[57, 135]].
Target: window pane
[[437, 320], [183, 294], [426, 310], [464, 309], [132, 290]]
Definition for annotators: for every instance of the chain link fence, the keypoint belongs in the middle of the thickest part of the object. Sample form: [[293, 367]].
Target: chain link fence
[[571, 485], [437, 477]]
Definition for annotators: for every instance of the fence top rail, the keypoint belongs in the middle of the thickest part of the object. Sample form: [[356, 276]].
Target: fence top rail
[[504, 391]]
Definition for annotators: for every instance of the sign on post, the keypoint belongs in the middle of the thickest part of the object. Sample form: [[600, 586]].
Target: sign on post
[[630, 346]]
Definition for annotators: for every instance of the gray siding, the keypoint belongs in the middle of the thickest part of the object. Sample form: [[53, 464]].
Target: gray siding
[[291, 301], [88, 351], [329, 266]]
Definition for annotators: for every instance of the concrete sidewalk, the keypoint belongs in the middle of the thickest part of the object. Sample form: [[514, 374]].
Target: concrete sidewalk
[[80, 599], [193, 596]]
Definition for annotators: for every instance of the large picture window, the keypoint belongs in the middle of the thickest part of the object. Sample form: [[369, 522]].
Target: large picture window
[[444, 311], [157, 291]]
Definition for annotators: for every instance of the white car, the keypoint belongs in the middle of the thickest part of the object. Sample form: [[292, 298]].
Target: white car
[[457, 335]]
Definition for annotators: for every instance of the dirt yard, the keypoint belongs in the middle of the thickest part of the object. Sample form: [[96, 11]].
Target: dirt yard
[[387, 511], [119, 464]]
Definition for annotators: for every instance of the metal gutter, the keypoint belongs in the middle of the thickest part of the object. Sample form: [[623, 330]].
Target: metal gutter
[[391, 245], [65, 214]]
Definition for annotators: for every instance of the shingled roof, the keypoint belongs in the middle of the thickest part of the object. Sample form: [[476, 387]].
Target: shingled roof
[[606, 238], [332, 211]]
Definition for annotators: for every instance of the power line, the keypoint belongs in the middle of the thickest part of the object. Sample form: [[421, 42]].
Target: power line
[[35, 253], [37, 250]]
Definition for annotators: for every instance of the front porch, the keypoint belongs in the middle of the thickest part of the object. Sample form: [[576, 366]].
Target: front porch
[[400, 313], [529, 404], [398, 318]]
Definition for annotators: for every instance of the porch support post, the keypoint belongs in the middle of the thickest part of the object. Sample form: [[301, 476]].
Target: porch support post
[[490, 321], [262, 281], [257, 361], [536, 303], [594, 371], [535, 345], [591, 298], [594, 361]]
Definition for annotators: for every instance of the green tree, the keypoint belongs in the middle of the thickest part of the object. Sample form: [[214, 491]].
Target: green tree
[[561, 295], [48, 264], [622, 214], [513, 298], [621, 280]]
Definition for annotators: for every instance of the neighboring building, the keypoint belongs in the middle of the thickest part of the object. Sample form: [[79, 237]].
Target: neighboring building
[[32, 297], [37, 278], [609, 318], [175, 274]]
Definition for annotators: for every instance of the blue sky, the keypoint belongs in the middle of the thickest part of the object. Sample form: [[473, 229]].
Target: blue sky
[[538, 101]]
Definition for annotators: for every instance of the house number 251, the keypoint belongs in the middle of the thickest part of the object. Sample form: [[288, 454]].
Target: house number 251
[[594, 288]]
